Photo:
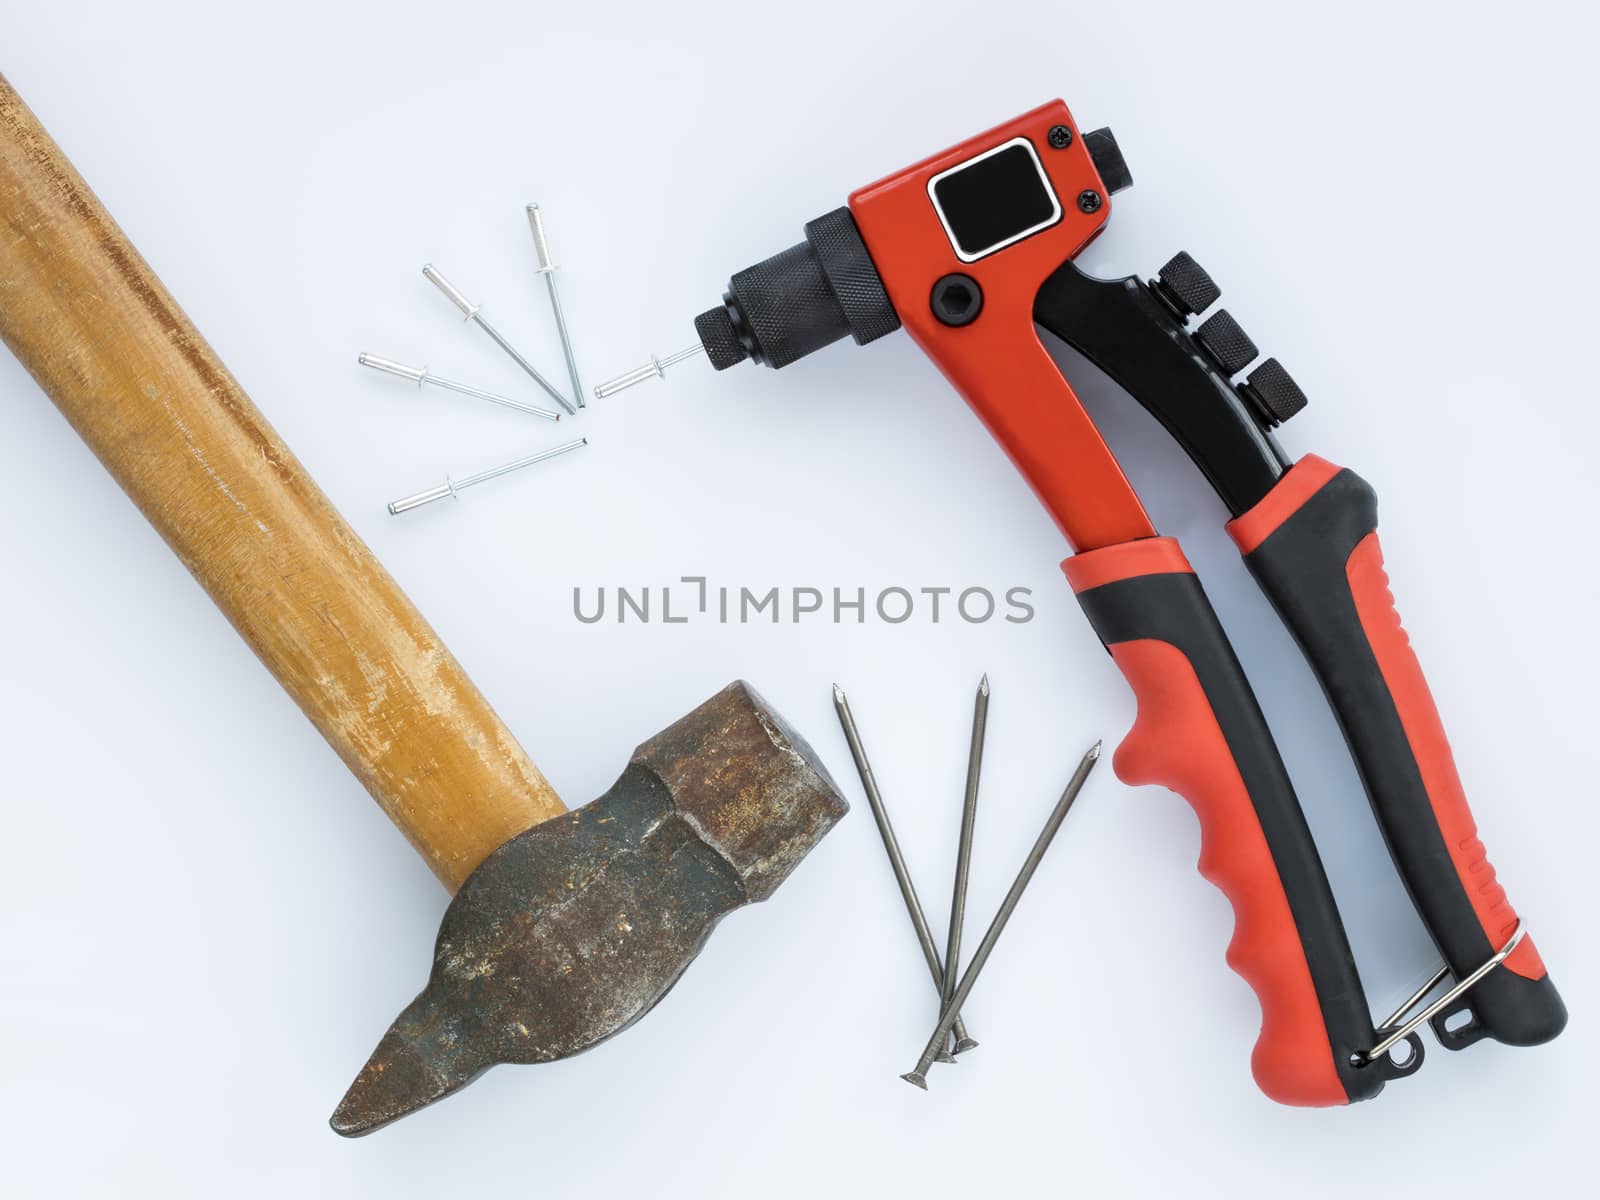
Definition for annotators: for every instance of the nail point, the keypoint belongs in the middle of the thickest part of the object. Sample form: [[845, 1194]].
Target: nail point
[[983, 684]]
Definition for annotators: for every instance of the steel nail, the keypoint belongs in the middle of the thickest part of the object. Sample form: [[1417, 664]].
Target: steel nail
[[897, 861], [930, 1052], [969, 813]]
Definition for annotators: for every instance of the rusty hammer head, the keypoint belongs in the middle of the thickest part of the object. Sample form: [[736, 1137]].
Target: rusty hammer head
[[574, 929]]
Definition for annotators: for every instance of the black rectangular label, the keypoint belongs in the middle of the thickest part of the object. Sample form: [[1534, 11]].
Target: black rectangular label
[[994, 200]]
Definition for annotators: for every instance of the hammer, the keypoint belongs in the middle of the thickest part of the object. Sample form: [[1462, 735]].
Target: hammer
[[565, 927]]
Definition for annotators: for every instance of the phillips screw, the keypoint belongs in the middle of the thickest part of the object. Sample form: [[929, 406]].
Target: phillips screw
[[474, 314], [421, 375], [454, 487], [969, 813], [918, 1074], [902, 875], [547, 268], [654, 369]]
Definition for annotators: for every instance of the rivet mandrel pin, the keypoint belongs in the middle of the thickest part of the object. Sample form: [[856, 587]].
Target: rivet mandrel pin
[[654, 369], [474, 313], [454, 487], [421, 375], [547, 268]]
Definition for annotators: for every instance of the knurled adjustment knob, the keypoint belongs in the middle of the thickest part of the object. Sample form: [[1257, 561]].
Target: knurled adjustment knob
[[1273, 393], [1184, 284], [1226, 343]]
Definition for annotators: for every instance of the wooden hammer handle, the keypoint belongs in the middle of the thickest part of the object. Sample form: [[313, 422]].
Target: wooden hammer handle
[[89, 319]]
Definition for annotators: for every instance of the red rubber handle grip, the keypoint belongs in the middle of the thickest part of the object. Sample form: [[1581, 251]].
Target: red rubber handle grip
[[1200, 732], [1177, 743]]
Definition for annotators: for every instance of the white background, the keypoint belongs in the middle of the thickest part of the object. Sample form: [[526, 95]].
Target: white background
[[206, 924]]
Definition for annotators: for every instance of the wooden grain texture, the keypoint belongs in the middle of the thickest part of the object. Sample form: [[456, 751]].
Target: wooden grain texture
[[89, 319]]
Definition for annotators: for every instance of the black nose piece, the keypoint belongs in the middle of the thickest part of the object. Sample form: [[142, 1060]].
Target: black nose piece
[[720, 337], [957, 299], [1108, 160]]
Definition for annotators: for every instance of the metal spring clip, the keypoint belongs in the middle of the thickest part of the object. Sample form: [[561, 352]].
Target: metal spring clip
[[1438, 1006]]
